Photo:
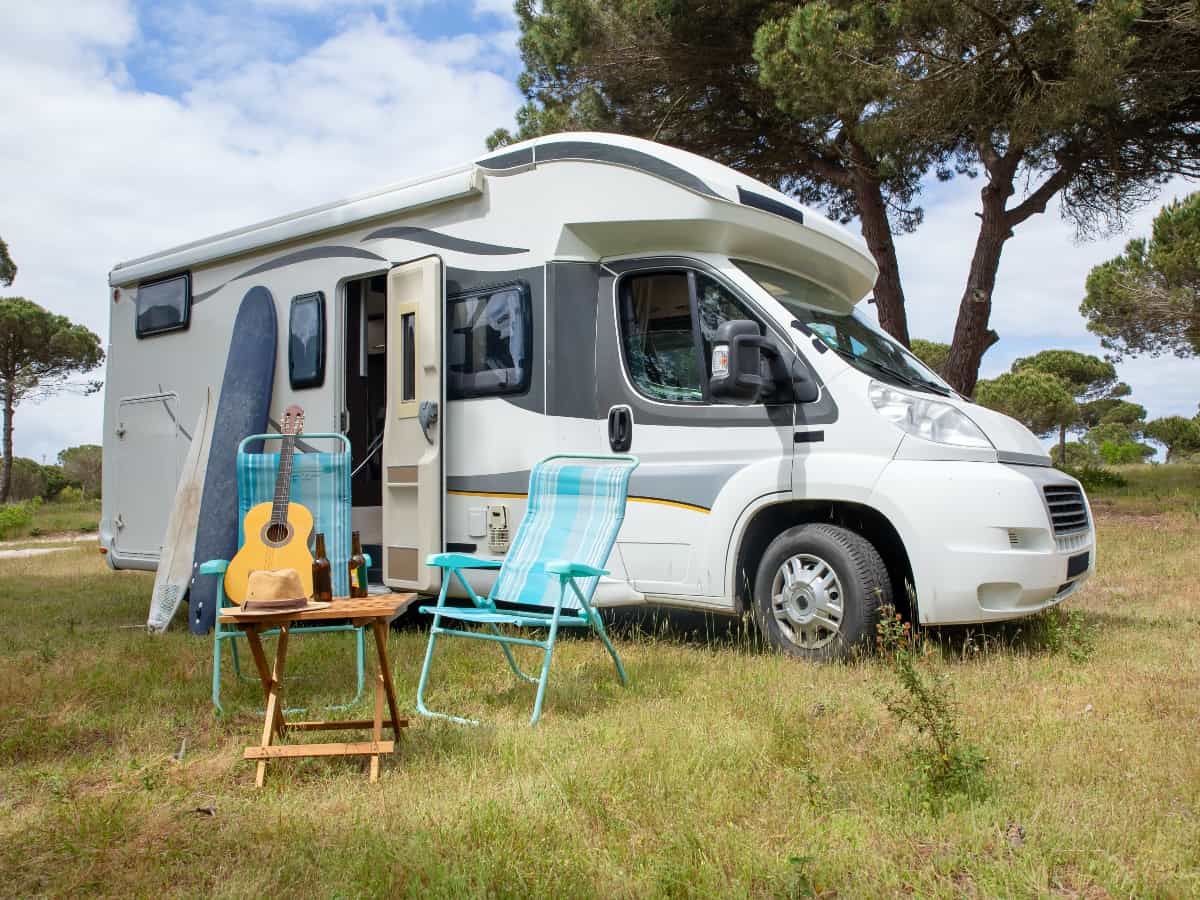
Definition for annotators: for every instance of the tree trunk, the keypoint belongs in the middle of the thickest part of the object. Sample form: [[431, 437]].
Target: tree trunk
[[6, 471], [972, 337], [1062, 445], [877, 232]]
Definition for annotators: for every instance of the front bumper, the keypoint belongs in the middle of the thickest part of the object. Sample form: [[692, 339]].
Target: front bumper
[[980, 540]]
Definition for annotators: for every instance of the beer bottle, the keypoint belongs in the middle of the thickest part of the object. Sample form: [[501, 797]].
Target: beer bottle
[[322, 582], [358, 568]]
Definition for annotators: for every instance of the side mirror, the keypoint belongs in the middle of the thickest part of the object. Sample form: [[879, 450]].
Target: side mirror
[[737, 362]]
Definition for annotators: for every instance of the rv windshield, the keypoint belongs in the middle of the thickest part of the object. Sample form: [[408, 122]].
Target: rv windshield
[[848, 333]]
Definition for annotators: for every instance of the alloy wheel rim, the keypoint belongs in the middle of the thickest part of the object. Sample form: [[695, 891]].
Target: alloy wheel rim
[[807, 601]]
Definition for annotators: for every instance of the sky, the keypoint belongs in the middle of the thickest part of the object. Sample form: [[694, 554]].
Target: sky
[[130, 127]]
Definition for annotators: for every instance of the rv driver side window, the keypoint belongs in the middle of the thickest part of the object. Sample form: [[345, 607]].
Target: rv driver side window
[[668, 322], [489, 338]]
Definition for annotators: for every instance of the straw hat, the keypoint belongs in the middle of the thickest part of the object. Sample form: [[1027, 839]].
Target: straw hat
[[272, 593]]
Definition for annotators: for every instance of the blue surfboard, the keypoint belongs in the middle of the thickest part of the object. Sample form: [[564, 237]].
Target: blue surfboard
[[241, 410]]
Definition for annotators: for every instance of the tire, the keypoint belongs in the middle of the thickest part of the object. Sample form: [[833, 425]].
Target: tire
[[838, 583]]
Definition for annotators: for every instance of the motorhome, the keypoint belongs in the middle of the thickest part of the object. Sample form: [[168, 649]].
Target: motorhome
[[596, 293]]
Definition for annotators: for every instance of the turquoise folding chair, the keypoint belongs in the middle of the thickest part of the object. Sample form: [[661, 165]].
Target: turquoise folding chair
[[576, 506], [321, 482]]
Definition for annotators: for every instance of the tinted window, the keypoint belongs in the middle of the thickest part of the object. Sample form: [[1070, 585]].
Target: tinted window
[[660, 345], [164, 305], [306, 341], [489, 337], [714, 306]]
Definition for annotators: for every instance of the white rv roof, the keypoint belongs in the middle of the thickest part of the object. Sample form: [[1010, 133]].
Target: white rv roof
[[687, 170]]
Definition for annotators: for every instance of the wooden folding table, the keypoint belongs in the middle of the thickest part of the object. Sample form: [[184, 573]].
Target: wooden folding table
[[378, 612]]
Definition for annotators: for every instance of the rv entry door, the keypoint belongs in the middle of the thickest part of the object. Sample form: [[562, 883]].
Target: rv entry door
[[412, 437]]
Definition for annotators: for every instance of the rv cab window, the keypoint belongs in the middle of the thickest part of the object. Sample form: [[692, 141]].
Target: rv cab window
[[164, 305], [306, 341], [489, 338]]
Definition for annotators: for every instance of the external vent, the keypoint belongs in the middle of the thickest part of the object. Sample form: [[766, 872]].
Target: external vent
[[1014, 539], [1068, 513]]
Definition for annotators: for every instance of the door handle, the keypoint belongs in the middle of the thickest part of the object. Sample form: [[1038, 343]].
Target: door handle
[[620, 428]]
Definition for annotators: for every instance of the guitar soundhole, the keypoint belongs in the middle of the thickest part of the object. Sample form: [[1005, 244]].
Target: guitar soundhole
[[277, 532]]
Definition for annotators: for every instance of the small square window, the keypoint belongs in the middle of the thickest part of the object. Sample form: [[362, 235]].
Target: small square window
[[489, 340], [164, 305], [306, 341]]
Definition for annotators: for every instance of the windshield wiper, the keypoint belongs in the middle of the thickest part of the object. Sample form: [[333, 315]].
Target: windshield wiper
[[910, 380]]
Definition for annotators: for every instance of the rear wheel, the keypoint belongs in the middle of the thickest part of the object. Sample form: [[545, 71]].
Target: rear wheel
[[818, 592]]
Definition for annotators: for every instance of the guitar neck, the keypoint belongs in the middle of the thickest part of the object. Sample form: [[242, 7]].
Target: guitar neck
[[283, 481]]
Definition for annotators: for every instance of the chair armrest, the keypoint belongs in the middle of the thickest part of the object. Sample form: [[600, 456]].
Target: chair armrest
[[572, 569], [214, 567], [461, 561]]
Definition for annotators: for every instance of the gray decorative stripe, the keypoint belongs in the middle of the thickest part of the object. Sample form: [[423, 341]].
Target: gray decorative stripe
[[769, 204], [444, 241], [1022, 459], [514, 159], [622, 156], [330, 251], [691, 485], [299, 445]]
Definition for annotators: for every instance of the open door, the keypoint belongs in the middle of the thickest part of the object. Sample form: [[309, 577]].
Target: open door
[[412, 437]]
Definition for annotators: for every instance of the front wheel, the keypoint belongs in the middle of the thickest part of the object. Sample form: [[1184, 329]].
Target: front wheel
[[818, 592]]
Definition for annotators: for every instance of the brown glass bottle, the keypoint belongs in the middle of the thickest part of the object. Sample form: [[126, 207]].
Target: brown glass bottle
[[358, 568], [322, 582]]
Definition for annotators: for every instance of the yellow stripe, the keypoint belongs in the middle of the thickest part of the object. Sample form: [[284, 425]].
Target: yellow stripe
[[511, 495]]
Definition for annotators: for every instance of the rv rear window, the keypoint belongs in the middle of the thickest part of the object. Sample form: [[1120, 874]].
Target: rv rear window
[[306, 341], [489, 337], [164, 305]]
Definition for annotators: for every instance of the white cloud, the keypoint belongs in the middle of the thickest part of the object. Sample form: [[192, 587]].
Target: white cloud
[[97, 170]]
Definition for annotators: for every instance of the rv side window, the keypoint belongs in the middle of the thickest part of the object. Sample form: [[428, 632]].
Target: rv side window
[[489, 339], [164, 305], [660, 343], [306, 341], [668, 322]]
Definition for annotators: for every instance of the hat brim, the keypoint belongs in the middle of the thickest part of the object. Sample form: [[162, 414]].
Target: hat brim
[[240, 612]]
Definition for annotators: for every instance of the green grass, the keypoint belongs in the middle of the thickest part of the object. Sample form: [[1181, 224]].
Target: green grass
[[1153, 489], [721, 770], [58, 517]]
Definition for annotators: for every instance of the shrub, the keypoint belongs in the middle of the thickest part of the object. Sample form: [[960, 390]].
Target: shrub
[[14, 517], [1094, 477], [70, 494], [944, 763]]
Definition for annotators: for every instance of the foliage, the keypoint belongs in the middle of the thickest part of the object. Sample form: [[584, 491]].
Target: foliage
[[1095, 477], [70, 494], [933, 353], [850, 103], [1147, 300], [31, 479], [1038, 400], [1179, 435], [41, 351], [1066, 631], [15, 516], [82, 465], [1116, 443], [944, 763], [1112, 411], [8, 269]]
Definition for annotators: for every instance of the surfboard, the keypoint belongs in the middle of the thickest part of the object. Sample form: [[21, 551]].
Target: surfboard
[[242, 408], [179, 542]]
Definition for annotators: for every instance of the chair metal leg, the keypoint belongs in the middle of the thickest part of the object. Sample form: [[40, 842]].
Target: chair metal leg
[[216, 680], [598, 624], [512, 660], [360, 640], [421, 707], [541, 691]]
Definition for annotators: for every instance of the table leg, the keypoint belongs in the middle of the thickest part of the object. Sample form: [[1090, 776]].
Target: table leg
[[385, 670], [264, 671], [274, 718]]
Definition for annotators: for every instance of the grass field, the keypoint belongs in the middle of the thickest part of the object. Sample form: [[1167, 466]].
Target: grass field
[[722, 770], [58, 517]]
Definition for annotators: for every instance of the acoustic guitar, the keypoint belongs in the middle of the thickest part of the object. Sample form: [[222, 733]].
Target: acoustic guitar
[[276, 533]]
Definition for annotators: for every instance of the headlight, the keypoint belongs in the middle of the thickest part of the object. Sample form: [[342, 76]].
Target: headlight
[[926, 419]]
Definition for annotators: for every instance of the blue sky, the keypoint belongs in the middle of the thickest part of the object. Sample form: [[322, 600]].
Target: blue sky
[[132, 126]]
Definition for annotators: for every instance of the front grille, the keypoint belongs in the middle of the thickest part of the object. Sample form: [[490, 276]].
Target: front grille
[[1068, 514]]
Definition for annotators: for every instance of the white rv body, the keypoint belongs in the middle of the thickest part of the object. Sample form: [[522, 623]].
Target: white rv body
[[568, 223]]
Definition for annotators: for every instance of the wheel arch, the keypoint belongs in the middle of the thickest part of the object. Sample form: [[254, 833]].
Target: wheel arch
[[763, 524]]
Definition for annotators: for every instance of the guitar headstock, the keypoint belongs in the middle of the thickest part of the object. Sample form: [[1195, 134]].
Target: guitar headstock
[[293, 421]]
